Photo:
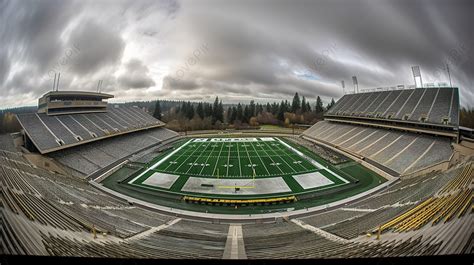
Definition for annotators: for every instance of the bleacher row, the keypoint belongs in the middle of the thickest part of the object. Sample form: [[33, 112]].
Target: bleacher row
[[453, 200], [406, 191], [431, 105], [50, 133], [403, 152], [43, 213], [64, 203], [90, 157], [285, 241]]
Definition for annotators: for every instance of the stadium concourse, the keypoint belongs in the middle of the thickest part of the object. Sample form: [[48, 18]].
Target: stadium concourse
[[53, 200]]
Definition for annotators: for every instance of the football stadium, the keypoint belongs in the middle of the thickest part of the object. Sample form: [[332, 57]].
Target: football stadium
[[148, 130], [386, 173]]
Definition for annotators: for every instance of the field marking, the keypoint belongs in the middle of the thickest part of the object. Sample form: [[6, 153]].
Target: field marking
[[293, 160], [273, 162], [177, 158], [176, 170], [217, 162], [159, 162], [238, 159], [197, 157], [260, 160], [314, 162], [228, 161], [265, 149], [251, 163], [213, 147], [284, 160]]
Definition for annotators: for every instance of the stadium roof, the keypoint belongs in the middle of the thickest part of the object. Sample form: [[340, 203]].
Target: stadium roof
[[78, 93]]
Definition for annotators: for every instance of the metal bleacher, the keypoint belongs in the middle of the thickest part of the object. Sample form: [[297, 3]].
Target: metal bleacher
[[51, 133], [90, 157], [403, 152], [437, 105]]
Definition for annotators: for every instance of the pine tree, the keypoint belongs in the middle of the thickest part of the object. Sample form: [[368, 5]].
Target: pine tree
[[260, 109], [208, 110], [275, 108], [303, 105], [232, 114], [189, 110], [268, 108], [215, 109], [157, 112], [330, 104], [200, 110], [281, 112], [220, 112], [296, 105], [252, 109], [246, 114], [319, 106], [239, 112]]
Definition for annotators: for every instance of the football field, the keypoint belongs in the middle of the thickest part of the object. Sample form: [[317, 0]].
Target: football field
[[262, 165]]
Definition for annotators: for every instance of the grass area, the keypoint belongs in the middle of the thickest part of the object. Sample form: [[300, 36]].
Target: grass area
[[270, 159], [273, 127]]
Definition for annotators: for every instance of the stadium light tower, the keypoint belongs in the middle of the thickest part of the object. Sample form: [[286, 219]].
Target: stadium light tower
[[449, 75], [343, 87], [356, 84], [416, 73]]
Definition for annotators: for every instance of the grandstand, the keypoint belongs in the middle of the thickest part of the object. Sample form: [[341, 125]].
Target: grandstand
[[402, 106], [376, 178], [413, 133], [52, 133]]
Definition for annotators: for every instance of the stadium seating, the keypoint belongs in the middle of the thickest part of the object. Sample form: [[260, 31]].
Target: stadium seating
[[332, 217], [90, 157], [426, 105], [45, 213], [454, 199], [402, 152], [361, 225], [50, 133]]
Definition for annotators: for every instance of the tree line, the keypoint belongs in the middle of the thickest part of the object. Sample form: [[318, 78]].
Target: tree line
[[8, 121], [201, 115]]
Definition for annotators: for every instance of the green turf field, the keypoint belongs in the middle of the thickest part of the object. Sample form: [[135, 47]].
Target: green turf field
[[222, 159], [277, 158]]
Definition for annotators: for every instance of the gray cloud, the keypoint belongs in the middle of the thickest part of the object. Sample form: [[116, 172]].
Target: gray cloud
[[262, 50], [136, 75], [98, 47]]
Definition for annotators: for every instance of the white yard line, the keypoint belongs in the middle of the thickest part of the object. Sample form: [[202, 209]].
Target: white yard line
[[293, 160], [263, 149], [238, 156], [228, 161], [284, 160], [217, 162], [196, 158], [178, 157], [159, 162], [184, 162], [213, 147], [260, 159]]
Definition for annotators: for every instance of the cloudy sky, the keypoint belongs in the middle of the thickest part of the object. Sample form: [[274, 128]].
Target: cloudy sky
[[239, 50]]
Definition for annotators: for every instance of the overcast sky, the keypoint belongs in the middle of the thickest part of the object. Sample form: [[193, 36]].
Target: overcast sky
[[239, 50]]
